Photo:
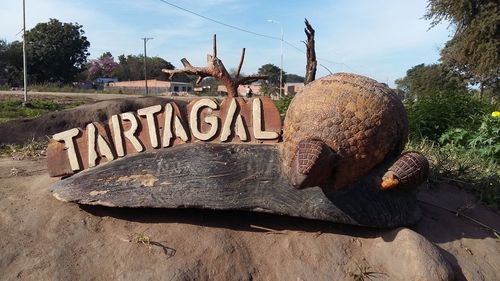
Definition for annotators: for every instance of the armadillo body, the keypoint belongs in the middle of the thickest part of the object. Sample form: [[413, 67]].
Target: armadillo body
[[362, 121]]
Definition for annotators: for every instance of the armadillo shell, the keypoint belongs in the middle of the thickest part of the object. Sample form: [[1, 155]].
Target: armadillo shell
[[411, 168]]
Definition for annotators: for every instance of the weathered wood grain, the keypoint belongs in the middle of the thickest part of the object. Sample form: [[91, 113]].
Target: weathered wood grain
[[233, 176]]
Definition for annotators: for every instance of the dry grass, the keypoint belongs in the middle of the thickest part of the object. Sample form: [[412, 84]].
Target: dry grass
[[143, 239], [464, 168], [32, 150], [363, 272]]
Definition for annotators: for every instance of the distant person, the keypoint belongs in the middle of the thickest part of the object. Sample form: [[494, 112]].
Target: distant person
[[248, 93]]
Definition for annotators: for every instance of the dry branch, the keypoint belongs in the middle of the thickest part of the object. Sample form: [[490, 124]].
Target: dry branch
[[311, 54], [215, 68]]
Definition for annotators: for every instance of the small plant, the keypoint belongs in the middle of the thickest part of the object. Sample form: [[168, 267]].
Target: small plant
[[141, 238]]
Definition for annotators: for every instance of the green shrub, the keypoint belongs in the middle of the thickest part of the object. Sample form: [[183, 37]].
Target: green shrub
[[485, 140], [432, 115], [282, 104]]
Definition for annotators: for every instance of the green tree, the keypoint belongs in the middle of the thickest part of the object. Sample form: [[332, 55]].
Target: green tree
[[131, 67], [424, 80], [11, 63], [294, 78], [56, 51], [474, 50], [270, 86], [273, 72]]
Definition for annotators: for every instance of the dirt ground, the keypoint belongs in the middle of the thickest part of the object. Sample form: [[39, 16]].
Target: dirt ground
[[42, 238], [45, 239]]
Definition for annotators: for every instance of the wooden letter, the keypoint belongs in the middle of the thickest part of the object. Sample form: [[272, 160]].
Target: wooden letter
[[257, 122], [117, 135], [129, 134], [212, 120], [149, 113], [171, 117], [240, 128], [67, 138], [92, 136]]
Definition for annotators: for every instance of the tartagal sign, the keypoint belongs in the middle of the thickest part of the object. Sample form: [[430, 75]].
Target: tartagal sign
[[237, 120]]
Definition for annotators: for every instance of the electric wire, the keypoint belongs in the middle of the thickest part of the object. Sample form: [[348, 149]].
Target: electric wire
[[249, 31]]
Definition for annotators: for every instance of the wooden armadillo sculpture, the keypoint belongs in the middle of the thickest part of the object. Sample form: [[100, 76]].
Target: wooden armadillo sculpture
[[343, 131], [343, 125]]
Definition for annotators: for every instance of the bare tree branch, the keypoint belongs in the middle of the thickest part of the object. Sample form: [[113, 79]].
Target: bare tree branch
[[250, 79], [241, 64], [215, 68]]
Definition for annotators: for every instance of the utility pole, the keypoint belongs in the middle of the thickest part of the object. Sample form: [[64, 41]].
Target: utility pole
[[281, 55], [24, 56], [146, 39]]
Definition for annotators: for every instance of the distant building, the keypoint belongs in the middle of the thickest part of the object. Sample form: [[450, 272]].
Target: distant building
[[155, 87], [105, 80], [293, 88], [242, 89]]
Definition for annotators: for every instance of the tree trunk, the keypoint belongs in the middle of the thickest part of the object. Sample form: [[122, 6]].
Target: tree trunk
[[311, 55], [233, 177]]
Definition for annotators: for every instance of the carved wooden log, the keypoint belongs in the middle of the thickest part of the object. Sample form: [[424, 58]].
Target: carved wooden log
[[234, 177]]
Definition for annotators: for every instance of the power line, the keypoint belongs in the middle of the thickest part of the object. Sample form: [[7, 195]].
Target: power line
[[251, 32], [219, 22]]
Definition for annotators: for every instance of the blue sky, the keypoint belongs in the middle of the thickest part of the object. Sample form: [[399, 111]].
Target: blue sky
[[379, 39]]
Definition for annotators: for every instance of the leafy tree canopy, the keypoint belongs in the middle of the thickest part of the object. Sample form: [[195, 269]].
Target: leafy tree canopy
[[273, 72], [474, 50], [294, 78], [102, 67], [131, 67], [424, 80], [11, 63], [56, 51]]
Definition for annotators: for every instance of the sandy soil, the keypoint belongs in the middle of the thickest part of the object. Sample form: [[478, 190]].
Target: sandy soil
[[45, 239]]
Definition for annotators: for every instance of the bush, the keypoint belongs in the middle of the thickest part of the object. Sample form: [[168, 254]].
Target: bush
[[282, 104], [485, 141], [432, 115]]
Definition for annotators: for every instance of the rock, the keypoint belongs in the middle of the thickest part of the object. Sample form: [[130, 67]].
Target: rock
[[406, 255]]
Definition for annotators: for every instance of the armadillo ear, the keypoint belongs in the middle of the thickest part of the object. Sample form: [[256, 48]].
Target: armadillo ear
[[312, 165]]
